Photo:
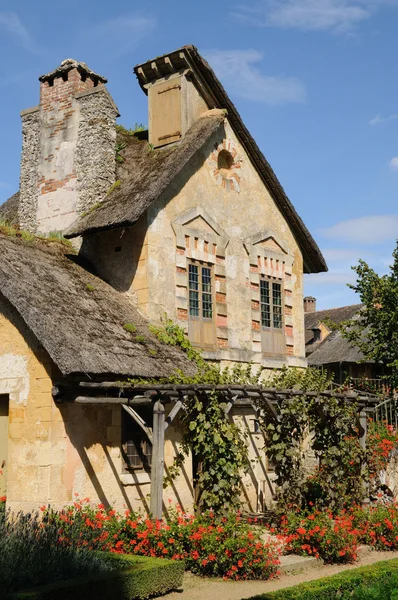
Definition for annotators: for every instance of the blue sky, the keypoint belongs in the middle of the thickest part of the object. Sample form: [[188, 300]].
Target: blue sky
[[315, 81]]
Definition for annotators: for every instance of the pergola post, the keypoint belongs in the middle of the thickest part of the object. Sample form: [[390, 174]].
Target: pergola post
[[363, 431], [156, 504]]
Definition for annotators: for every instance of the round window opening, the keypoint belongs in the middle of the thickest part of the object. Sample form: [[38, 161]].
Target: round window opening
[[224, 162]]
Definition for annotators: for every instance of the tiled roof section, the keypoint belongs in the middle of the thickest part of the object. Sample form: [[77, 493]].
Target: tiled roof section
[[334, 348]]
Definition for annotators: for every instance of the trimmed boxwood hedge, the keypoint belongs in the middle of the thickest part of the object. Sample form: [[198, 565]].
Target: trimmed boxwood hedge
[[132, 577], [344, 585]]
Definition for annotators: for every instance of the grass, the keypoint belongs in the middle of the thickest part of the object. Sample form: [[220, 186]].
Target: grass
[[90, 287], [114, 187], [54, 236], [140, 339], [130, 327]]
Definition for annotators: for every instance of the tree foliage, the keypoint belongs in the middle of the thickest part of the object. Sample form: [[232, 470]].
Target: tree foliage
[[375, 329]]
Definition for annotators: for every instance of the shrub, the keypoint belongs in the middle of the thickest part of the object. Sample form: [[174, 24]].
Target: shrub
[[378, 526], [320, 534], [130, 327], [383, 575], [131, 577], [31, 554], [226, 547]]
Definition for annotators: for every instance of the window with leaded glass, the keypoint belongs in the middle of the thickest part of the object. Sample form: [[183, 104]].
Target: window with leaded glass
[[201, 311], [271, 310]]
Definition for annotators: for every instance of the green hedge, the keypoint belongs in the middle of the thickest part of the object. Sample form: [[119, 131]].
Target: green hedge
[[137, 577], [343, 586]]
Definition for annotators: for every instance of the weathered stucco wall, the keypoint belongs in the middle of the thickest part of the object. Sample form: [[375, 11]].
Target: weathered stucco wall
[[234, 225], [58, 450]]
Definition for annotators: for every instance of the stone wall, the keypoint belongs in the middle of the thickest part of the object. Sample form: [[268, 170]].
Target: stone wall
[[29, 191], [68, 153], [95, 147]]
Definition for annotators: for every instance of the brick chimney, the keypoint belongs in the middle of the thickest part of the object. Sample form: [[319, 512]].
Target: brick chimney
[[309, 304], [68, 148]]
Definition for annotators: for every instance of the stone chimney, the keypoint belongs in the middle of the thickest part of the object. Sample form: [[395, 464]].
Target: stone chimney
[[309, 304], [68, 148], [175, 98]]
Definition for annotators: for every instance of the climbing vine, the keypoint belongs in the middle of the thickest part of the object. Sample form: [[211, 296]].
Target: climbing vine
[[218, 445], [322, 424], [325, 425]]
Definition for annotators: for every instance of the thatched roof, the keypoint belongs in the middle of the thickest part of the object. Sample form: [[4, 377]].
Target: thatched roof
[[9, 210], [127, 206], [77, 317], [150, 173], [334, 348]]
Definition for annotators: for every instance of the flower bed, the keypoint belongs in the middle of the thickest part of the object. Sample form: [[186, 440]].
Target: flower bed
[[225, 547]]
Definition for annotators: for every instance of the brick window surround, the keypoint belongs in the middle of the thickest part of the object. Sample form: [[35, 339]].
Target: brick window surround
[[201, 241], [270, 261]]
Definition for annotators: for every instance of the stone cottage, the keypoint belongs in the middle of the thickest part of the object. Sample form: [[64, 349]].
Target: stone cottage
[[328, 349], [186, 219]]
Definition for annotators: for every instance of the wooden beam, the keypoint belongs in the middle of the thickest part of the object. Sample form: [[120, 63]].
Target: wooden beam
[[230, 404], [363, 431], [156, 504], [96, 400], [140, 421], [173, 413]]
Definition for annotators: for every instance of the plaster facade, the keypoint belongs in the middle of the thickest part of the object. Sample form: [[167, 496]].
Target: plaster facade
[[237, 229], [58, 450]]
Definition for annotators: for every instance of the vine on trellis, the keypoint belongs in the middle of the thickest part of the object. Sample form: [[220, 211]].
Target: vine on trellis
[[325, 424]]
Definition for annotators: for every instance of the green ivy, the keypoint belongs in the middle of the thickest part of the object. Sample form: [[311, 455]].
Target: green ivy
[[217, 444], [326, 424]]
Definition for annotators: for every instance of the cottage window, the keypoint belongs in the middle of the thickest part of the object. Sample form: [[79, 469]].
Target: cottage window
[[271, 305], [136, 447], [201, 304]]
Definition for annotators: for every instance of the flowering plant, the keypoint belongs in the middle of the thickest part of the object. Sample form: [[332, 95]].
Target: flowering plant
[[227, 546], [320, 534], [382, 438]]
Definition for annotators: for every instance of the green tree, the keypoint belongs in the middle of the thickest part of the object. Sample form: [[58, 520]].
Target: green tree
[[375, 329]]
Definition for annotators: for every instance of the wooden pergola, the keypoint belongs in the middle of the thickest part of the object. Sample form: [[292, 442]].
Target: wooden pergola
[[133, 396]]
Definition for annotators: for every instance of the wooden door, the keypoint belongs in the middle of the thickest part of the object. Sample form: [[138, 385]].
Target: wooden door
[[3, 444]]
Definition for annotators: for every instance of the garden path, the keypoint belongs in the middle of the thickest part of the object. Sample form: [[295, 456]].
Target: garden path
[[198, 588]]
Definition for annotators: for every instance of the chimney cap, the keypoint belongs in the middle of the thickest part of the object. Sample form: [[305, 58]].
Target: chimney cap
[[69, 64], [309, 299]]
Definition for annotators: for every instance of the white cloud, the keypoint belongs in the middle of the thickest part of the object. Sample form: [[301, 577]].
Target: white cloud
[[339, 16], [332, 278], [379, 119], [365, 230], [11, 23], [342, 254], [394, 163], [121, 34], [238, 70]]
